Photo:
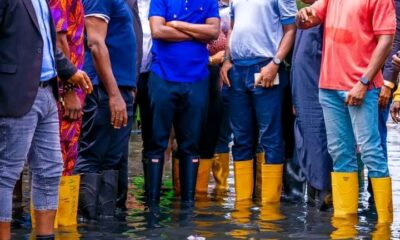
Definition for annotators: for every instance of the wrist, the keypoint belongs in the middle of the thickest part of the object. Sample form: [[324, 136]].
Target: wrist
[[227, 58], [388, 84], [364, 81]]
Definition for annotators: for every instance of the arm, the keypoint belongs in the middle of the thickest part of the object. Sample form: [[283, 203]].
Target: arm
[[203, 32], [227, 64], [96, 30], [382, 50], [62, 43], [160, 31], [269, 72]]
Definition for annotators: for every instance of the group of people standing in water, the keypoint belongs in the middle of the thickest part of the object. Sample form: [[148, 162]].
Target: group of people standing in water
[[289, 91]]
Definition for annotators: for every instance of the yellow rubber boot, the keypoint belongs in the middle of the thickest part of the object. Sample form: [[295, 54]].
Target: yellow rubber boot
[[175, 176], [244, 180], [345, 227], [269, 180], [203, 175], [382, 188], [345, 193], [220, 171]]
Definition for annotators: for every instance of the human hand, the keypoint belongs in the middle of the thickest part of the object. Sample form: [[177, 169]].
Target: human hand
[[226, 66], [306, 14], [72, 106], [394, 111], [119, 114], [384, 97], [81, 80], [396, 62], [356, 95], [268, 75]]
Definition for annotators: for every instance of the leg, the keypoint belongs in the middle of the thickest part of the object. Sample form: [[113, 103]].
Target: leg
[[341, 146], [163, 103], [69, 137], [243, 127], [189, 120], [45, 165], [95, 133], [16, 136], [372, 154]]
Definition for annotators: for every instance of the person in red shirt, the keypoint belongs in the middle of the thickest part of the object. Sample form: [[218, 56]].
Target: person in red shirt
[[358, 36]]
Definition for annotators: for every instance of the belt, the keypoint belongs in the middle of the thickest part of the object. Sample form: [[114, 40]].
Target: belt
[[45, 84]]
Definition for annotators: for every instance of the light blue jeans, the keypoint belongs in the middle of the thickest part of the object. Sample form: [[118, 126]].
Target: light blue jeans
[[348, 127], [35, 138]]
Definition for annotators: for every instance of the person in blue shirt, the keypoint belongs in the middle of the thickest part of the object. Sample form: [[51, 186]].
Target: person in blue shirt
[[178, 87], [110, 61], [263, 33]]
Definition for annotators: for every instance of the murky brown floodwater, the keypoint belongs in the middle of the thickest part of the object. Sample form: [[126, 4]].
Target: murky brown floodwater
[[220, 218]]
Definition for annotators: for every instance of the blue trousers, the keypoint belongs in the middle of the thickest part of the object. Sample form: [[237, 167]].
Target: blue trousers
[[101, 147], [182, 105], [348, 126], [225, 134], [383, 117], [256, 115]]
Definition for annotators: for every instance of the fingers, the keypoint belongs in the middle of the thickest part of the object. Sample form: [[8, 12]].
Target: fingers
[[113, 116], [88, 88], [394, 113], [224, 76], [353, 101], [125, 118]]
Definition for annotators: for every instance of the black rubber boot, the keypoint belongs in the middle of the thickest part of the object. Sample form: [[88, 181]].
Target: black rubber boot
[[88, 194], [294, 182], [188, 167], [153, 180], [371, 192], [108, 194]]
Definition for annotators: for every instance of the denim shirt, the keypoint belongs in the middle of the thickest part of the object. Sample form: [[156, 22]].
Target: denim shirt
[[42, 11]]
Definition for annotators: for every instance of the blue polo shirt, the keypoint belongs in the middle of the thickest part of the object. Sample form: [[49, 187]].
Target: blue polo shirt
[[184, 61], [120, 40]]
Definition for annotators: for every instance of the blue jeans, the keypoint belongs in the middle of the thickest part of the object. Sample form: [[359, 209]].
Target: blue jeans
[[33, 137], [225, 134], [182, 105], [350, 126], [256, 115], [383, 117]]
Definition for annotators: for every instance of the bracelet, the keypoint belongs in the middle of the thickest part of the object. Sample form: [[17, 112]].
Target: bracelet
[[210, 60], [68, 87], [388, 84]]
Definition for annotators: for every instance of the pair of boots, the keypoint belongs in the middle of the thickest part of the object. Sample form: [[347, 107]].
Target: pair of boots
[[186, 172], [268, 180], [98, 194], [345, 189], [219, 165]]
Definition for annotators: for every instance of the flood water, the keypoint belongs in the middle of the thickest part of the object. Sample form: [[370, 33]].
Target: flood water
[[217, 217]]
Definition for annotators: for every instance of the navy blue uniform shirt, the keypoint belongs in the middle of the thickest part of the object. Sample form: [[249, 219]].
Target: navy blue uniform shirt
[[184, 61], [120, 40]]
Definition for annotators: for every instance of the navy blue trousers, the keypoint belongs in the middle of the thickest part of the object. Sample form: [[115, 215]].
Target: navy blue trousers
[[182, 105]]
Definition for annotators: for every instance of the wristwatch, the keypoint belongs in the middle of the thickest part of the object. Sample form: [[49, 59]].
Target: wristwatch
[[364, 81], [276, 60], [227, 58]]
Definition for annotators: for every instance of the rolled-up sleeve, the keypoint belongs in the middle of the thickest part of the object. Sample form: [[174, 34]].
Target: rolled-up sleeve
[[287, 11], [158, 8], [98, 8]]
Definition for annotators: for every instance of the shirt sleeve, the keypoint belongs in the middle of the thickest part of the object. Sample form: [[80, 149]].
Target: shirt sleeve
[[158, 8], [287, 11], [213, 11], [383, 17], [98, 8], [321, 7], [59, 12]]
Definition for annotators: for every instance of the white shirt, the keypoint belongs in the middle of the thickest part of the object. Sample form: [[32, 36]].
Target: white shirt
[[144, 6]]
